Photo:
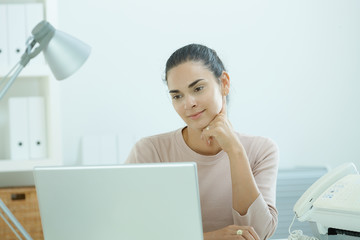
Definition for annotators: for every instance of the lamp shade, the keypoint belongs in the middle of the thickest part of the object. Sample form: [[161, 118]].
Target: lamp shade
[[63, 53]]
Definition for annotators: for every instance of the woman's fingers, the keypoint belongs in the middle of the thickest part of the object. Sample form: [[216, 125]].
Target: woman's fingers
[[220, 130], [232, 232], [208, 135], [248, 232]]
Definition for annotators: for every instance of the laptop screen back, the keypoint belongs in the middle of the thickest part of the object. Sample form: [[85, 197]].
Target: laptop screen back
[[142, 201]]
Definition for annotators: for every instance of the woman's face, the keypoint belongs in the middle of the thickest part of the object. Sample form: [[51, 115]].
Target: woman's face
[[196, 94]]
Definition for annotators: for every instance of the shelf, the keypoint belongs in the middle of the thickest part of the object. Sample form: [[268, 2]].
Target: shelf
[[28, 71], [25, 165], [36, 79]]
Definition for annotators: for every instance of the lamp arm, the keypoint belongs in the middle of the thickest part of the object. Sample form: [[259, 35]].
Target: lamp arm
[[25, 59], [10, 226], [11, 80], [8, 74], [14, 221], [28, 54]]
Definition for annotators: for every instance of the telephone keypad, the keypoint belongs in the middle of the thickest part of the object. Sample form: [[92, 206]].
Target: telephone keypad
[[344, 195]]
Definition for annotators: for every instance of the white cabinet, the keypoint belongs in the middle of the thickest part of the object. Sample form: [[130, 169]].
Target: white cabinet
[[36, 79]]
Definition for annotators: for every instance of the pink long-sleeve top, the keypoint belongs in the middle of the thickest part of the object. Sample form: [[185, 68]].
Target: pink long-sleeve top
[[215, 180]]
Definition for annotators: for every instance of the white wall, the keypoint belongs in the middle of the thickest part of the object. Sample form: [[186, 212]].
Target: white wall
[[294, 66]]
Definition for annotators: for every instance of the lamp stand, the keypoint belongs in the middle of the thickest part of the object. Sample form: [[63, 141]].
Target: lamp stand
[[14, 221]]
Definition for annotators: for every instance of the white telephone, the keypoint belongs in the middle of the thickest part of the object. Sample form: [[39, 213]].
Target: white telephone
[[333, 201]]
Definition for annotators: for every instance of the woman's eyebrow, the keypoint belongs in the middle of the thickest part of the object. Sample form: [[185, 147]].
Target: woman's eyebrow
[[194, 83], [174, 91], [190, 85]]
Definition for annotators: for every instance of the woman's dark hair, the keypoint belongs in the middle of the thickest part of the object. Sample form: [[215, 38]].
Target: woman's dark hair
[[196, 53]]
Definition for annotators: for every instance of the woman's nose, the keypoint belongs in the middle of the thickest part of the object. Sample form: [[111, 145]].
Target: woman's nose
[[190, 102]]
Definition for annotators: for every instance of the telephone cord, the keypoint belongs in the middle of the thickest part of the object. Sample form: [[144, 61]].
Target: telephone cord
[[298, 234]]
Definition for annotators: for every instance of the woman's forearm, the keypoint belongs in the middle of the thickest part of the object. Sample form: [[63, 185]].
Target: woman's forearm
[[244, 188]]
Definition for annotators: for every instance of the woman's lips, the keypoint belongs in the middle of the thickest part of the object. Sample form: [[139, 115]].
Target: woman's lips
[[196, 115]]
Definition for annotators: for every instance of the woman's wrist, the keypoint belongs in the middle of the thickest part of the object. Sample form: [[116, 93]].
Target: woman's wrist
[[236, 149]]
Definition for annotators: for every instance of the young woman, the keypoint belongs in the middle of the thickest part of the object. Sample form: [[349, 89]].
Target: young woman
[[237, 173]]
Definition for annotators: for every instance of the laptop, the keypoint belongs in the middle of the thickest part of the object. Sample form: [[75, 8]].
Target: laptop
[[130, 202]]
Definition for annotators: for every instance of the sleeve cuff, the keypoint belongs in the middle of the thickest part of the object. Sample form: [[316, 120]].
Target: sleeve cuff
[[258, 216]]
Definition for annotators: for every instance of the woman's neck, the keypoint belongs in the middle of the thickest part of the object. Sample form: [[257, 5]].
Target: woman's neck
[[192, 138]]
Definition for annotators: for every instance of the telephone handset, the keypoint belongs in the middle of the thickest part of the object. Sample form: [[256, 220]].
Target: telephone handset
[[304, 205]]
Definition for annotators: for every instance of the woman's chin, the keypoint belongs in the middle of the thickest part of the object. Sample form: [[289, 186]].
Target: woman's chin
[[198, 126]]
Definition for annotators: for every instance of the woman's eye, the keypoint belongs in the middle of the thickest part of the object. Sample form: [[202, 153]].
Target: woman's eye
[[197, 89], [176, 97]]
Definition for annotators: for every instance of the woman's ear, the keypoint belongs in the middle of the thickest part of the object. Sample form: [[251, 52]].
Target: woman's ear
[[225, 83]]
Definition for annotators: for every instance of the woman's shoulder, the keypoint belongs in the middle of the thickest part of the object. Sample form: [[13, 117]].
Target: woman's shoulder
[[161, 138], [153, 148], [256, 140], [259, 148]]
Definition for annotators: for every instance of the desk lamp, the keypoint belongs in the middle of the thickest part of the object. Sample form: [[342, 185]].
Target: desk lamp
[[63, 53]]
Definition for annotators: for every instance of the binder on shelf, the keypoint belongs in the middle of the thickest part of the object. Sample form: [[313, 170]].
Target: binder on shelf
[[27, 128], [37, 128], [19, 128], [16, 32], [3, 36], [34, 13]]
